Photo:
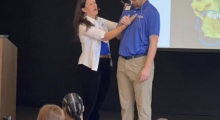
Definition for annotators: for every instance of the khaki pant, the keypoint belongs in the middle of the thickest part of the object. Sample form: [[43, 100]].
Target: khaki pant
[[130, 89]]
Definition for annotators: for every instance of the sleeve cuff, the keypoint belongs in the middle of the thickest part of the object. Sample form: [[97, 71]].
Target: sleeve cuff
[[102, 36]]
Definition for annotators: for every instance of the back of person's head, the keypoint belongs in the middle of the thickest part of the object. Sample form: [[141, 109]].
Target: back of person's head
[[73, 106], [51, 112]]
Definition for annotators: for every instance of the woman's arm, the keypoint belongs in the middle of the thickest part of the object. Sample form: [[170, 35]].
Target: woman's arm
[[110, 25], [99, 34], [115, 32]]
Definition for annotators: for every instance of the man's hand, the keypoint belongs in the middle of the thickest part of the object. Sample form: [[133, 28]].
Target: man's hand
[[144, 75]]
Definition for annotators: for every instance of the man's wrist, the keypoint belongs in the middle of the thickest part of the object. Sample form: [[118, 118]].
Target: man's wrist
[[147, 67]]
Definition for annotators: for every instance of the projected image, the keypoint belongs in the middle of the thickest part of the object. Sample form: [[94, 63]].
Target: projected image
[[195, 24], [208, 12]]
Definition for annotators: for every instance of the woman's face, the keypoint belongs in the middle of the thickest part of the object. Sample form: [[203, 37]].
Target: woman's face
[[90, 8]]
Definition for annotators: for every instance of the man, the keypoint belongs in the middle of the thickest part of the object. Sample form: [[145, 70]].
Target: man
[[137, 50]]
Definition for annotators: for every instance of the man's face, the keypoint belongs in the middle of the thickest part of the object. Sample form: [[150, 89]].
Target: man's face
[[137, 3]]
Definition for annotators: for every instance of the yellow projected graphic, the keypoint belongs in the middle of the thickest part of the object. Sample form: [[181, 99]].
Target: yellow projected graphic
[[211, 23]]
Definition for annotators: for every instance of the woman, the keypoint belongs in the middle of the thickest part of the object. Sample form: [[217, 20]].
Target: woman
[[72, 106], [94, 63], [50, 112]]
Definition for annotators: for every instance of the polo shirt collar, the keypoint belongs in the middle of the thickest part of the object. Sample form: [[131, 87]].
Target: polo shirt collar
[[91, 19]]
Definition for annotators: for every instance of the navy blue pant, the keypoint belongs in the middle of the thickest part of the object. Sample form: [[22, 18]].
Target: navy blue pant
[[95, 85]]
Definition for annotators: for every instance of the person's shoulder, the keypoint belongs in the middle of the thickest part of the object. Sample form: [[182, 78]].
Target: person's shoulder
[[153, 8], [82, 25], [100, 19]]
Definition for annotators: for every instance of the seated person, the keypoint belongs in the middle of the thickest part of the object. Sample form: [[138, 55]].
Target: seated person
[[51, 112], [72, 106]]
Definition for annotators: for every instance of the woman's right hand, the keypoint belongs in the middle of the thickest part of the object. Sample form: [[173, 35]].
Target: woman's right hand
[[126, 20], [133, 17]]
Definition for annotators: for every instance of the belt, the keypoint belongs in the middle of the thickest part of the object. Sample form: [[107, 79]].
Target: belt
[[134, 56], [105, 56]]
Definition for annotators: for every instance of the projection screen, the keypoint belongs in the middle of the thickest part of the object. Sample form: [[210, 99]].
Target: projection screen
[[189, 24]]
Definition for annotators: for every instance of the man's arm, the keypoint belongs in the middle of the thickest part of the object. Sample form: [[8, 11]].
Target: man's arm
[[152, 50], [145, 73], [153, 30], [118, 36]]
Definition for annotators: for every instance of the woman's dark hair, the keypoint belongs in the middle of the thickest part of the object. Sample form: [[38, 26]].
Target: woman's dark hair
[[79, 17], [73, 104]]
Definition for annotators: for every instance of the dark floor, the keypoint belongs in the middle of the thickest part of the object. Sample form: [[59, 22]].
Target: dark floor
[[25, 113]]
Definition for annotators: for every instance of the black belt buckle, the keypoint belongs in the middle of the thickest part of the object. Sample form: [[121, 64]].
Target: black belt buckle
[[127, 58], [135, 56]]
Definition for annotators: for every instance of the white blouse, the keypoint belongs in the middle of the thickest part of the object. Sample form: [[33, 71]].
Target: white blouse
[[91, 41]]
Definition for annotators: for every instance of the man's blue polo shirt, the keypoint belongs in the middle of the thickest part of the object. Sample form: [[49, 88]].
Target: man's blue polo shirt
[[135, 38]]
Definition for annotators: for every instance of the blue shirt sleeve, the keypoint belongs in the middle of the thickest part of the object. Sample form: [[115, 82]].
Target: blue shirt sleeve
[[154, 23]]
